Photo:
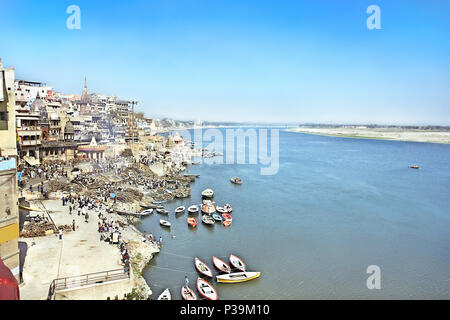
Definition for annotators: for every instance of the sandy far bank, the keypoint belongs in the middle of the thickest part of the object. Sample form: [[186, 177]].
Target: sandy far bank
[[381, 134]]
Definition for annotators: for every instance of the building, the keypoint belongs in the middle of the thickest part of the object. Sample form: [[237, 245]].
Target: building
[[28, 130], [9, 210]]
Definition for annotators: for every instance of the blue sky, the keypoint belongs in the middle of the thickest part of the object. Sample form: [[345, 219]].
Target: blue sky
[[279, 61]]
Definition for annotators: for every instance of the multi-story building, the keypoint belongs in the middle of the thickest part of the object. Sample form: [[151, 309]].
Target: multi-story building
[[28, 130], [9, 210]]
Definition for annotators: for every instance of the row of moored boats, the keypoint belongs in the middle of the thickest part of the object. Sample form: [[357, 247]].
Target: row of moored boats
[[205, 288]]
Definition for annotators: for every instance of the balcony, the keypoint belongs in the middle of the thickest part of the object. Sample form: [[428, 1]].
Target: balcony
[[28, 143]]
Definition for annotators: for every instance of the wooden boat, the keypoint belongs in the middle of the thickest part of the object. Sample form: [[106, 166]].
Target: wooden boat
[[238, 277], [180, 209], [165, 295], [162, 211], [136, 214], [221, 265], [147, 206], [207, 219], [414, 167], [228, 208], [221, 210], [158, 202], [193, 209], [188, 293], [202, 267], [206, 290], [146, 212], [208, 207], [227, 217], [192, 222], [236, 180], [208, 193], [237, 263], [217, 217], [164, 223], [226, 223], [195, 163]]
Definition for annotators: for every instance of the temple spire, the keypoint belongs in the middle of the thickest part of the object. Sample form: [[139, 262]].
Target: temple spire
[[85, 82]]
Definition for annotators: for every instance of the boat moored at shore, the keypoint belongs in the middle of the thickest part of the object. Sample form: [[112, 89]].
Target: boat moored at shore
[[238, 277], [203, 268], [237, 263], [221, 265], [165, 223], [165, 295], [206, 290], [193, 209]]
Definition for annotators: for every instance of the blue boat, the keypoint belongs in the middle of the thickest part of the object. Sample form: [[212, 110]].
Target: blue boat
[[217, 217]]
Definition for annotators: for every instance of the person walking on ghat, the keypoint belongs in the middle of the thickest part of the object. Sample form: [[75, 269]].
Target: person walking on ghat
[[73, 225]]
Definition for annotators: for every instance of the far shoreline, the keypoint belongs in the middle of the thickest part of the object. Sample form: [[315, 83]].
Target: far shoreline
[[405, 135]]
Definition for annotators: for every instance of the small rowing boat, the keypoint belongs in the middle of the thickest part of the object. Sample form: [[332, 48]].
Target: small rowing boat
[[180, 210], [237, 263], [217, 217], [236, 180], [164, 223], [202, 267], [193, 209], [165, 295], [228, 208], [192, 222], [221, 265], [146, 212], [238, 277], [414, 167], [227, 217], [206, 290], [221, 210], [162, 211], [207, 219], [208, 193], [188, 293], [147, 206], [208, 207], [195, 163], [226, 223]]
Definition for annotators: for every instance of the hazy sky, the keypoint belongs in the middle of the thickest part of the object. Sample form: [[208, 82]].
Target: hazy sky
[[284, 61]]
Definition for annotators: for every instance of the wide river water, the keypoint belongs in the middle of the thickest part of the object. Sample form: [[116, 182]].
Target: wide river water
[[335, 207]]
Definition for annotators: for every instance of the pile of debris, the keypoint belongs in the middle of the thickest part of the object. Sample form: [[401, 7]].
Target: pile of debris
[[56, 186], [37, 229]]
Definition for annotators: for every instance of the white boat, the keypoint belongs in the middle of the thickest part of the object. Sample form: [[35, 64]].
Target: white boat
[[180, 209], [207, 219], [162, 211], [208, 193], [221, 265], [237, 263], [165, 295], [221, 210], [146, 212], [206, 290], [236, 180], [238, 277], [202, 267], [193, 209], [164, 223], [228, 208]]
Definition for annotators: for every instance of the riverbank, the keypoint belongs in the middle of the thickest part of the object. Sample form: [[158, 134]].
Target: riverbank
[[429, 136], [81, 252]]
